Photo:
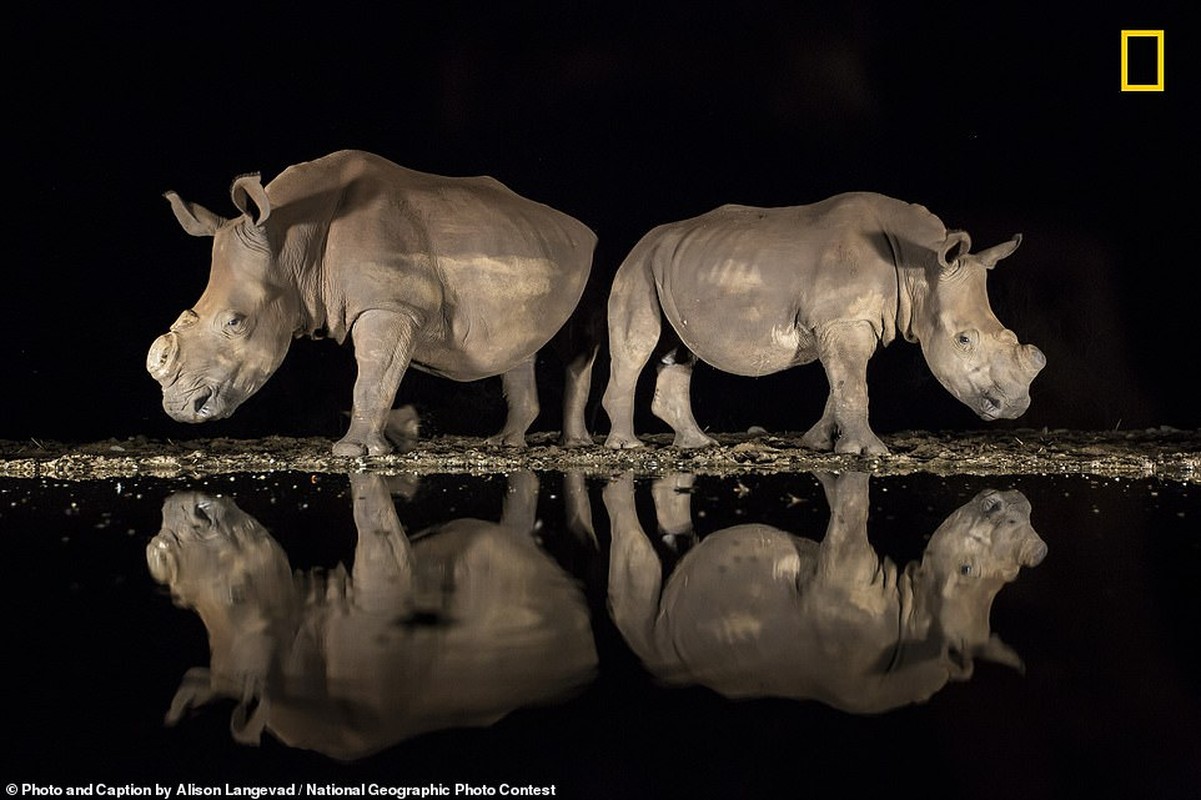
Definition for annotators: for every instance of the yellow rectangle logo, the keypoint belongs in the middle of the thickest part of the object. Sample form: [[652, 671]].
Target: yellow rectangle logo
[[1157, 86]]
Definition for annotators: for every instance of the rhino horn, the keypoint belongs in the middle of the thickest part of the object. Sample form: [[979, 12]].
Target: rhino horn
[[251, 198], [992, 255], [1031, 359], [163, 357], [195, 218], [998, 652], [195, 690], [249, 720], [1033, 552], [955, 246]]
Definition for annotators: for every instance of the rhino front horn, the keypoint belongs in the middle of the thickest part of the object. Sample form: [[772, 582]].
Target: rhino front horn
[[1032, 359], [163, 355]]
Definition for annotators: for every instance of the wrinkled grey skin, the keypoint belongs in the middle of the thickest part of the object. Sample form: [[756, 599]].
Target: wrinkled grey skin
[[458, 627], [753, 291], [753, 611], [459, 277]]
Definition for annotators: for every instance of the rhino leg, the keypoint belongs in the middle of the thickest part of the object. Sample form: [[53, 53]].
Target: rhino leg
[[575, 399], [635, 572], [520, 508], [383, 560], [383, 346], [846, 557], [844, 350], [521, 393], [673, 403], [634, 327], [672, 496], [578, 508]]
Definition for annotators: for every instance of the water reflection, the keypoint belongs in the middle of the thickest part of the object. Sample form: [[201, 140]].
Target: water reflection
[[454, 626], [753, 610]]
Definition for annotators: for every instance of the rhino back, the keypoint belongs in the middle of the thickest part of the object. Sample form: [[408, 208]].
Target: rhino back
[[738, 585], [498, 273], [773, 276], [747, 614]]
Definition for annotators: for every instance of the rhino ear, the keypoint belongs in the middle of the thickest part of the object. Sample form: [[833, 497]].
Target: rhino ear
[[195, 219], [251, 198], [992, 255], [955, 247]]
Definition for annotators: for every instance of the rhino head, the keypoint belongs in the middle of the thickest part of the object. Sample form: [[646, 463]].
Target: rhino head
[[217, 558], [223, 349], [972, 555], [973, 355]]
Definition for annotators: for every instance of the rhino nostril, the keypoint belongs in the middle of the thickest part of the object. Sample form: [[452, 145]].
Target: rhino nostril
[[198, 405]]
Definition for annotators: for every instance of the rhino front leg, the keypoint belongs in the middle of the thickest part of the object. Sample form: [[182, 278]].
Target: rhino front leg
[[846, 557], [672, 496], [521, 393], [383, 346], [844, 350], [519, 510], [383, 557]]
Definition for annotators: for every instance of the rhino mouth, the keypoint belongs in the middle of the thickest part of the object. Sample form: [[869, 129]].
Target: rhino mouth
[[200, 404], [993, 405], [990, 407]]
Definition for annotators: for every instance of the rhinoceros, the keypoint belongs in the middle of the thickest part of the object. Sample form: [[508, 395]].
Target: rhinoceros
[[753, 291], [460, 277], [457, 627], [755, 611]]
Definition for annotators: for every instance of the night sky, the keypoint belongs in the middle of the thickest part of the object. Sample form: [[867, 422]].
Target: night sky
[[1000, 121]]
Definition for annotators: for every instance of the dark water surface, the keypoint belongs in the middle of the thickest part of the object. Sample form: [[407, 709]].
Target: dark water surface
[[694, 637]]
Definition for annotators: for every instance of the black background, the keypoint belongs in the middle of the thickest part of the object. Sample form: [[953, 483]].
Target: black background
[[1002, 120]]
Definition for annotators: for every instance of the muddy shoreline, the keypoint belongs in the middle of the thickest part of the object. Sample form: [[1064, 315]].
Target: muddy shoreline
[[1164, 452]]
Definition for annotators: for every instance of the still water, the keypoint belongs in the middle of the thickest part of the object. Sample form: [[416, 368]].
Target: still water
[[686, 636]]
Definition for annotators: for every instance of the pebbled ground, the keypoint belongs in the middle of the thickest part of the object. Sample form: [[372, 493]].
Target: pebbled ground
[[1158, 452]]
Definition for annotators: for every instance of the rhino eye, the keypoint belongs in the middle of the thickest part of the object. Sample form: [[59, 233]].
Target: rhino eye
[[965, 569], [965, 339], [235, 323]]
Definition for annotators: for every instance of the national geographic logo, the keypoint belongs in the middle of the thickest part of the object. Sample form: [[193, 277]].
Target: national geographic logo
[[1142, 61]]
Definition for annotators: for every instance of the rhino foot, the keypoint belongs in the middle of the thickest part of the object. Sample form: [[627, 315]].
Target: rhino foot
[[819, 437], [868, 445], [576, 441], [503, 439], [692, 440], [354, 448], [617, 441], [825, 436]]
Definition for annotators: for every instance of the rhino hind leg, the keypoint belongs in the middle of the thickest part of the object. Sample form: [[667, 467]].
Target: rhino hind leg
[[634, 328], [844, 350], [635, 572], [672, 403], [577, 387], [521, 393]]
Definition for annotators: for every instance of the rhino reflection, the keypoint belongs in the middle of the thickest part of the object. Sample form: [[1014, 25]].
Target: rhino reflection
[[455, 628], [754, 611]]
